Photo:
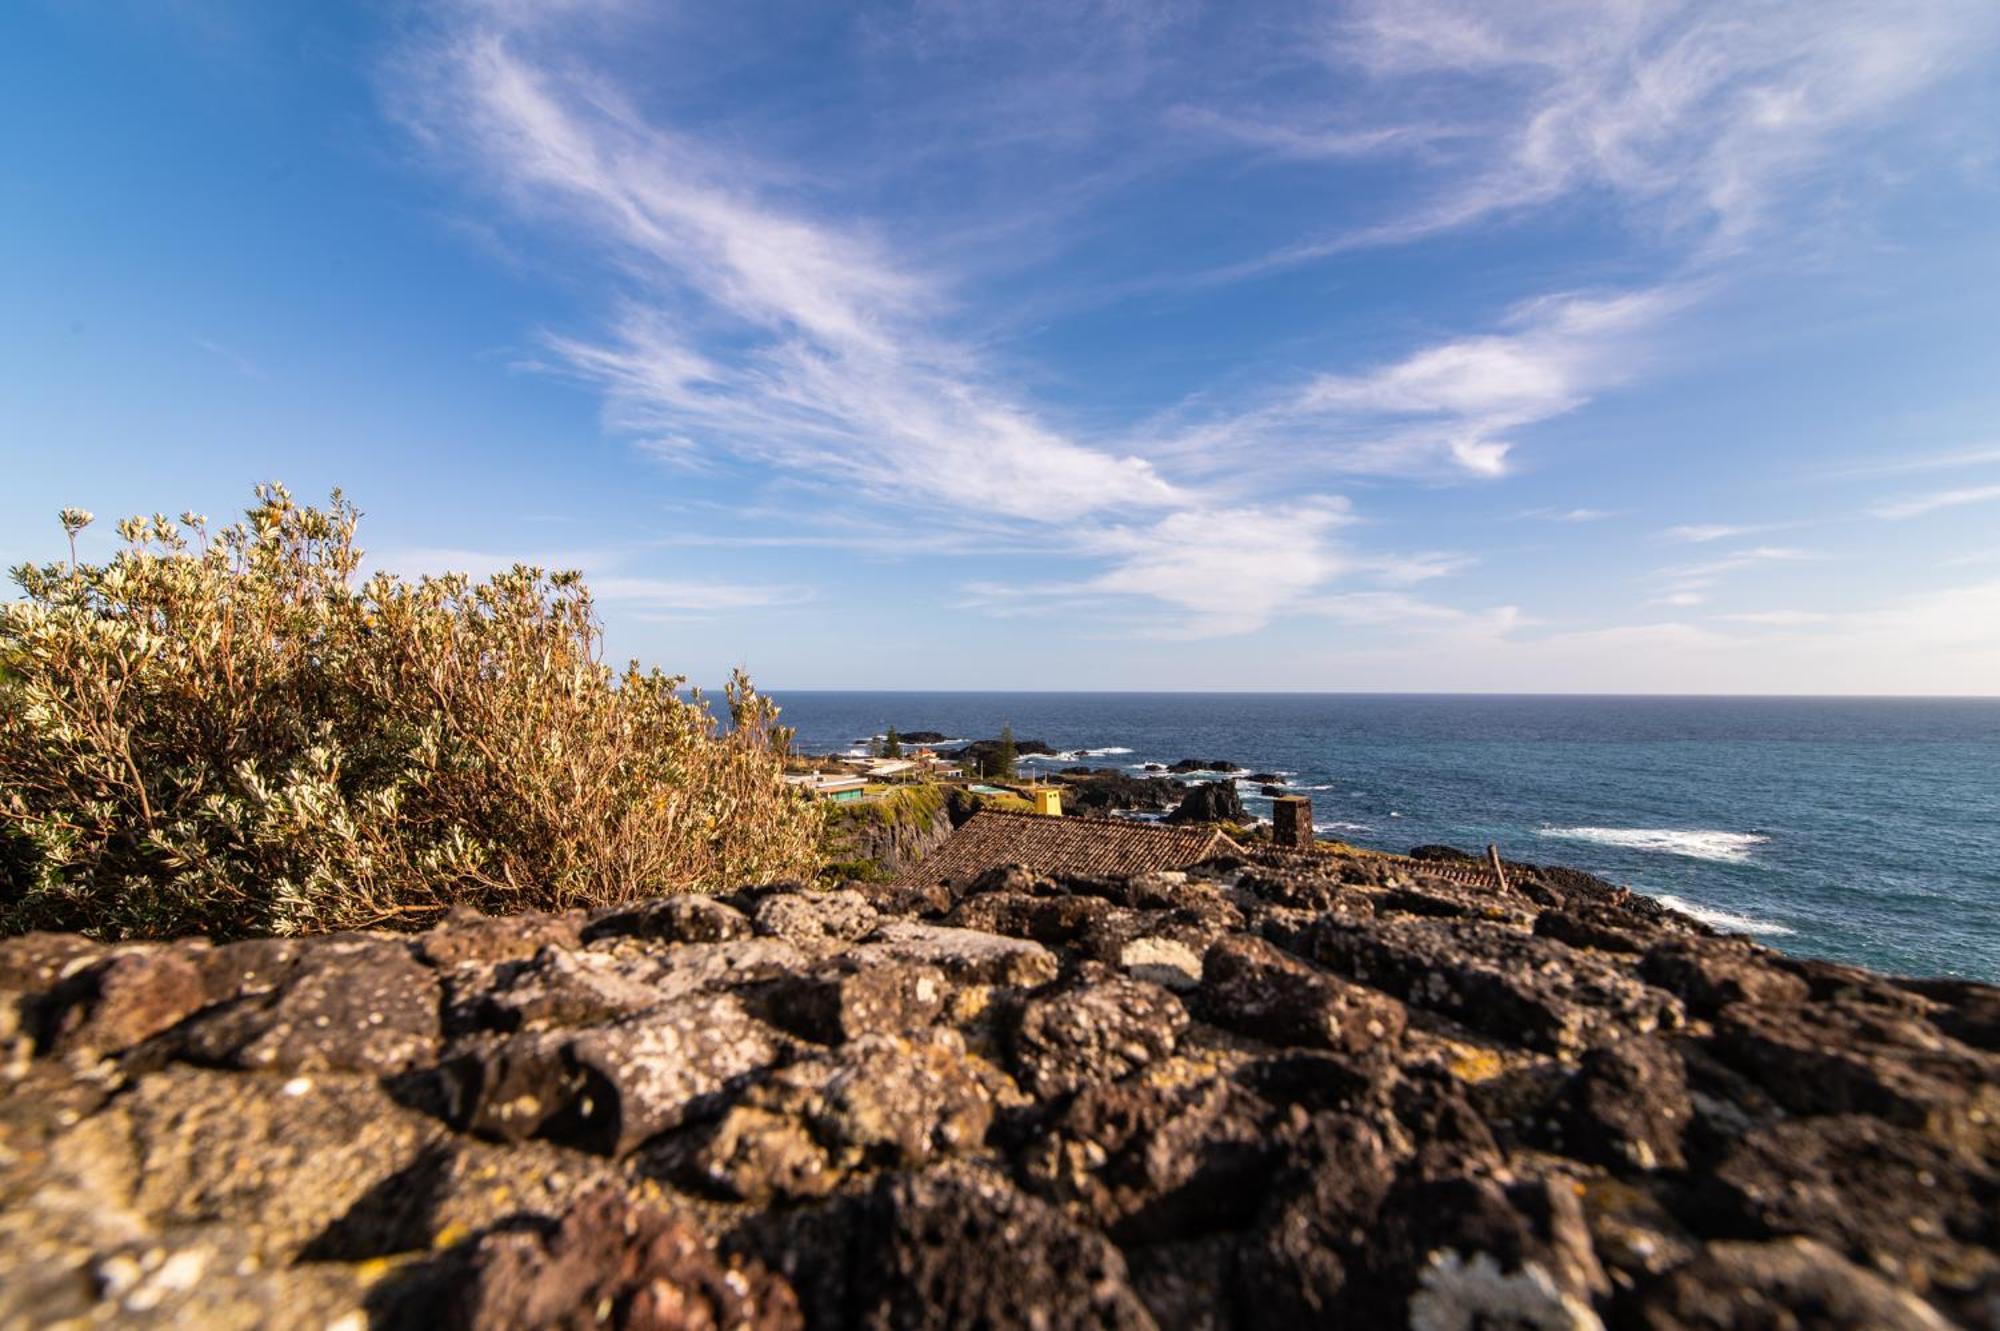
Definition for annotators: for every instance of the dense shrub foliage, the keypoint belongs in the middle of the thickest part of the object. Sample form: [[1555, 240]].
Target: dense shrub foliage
[[230, 732]]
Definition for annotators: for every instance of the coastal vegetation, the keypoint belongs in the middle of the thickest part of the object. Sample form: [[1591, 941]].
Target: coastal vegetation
[[235, 732]]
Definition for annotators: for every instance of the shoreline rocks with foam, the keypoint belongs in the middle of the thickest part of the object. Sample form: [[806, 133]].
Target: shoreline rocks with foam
[[1277, 1091]]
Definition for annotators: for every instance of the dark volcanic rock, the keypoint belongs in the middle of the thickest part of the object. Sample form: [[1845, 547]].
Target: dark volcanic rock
[[1276, 1090], [1250, 986], [1097, 1030], [1210, 802], [612, 1264], [1111, 792], [1203, 765]]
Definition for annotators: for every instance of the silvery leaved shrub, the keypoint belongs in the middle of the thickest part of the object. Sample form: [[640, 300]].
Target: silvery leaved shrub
[[232, 732]]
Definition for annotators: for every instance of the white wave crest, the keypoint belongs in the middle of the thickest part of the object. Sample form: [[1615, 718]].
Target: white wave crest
[[1342, 827], [1723, 919], [1694, 843]]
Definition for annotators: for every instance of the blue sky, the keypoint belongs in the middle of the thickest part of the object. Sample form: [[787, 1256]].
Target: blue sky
[[1398, 344]]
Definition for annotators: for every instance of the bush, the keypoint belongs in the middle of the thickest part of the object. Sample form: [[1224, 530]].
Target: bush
[[223, 733]]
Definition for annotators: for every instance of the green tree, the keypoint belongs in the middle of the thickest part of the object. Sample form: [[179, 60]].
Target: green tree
[[1005, 756], [892, 747]]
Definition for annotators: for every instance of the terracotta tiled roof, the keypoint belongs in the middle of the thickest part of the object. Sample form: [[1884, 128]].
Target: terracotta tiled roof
[[1074, 847]]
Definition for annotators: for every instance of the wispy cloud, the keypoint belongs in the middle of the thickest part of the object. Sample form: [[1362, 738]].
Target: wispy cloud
[[1452, 406], [819, 353], [1688, 584], [1701, 533], [1572, 515], [1918, 505], [1702, 114]]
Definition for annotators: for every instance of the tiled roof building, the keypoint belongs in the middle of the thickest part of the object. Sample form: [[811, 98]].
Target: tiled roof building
[[1072, 847]]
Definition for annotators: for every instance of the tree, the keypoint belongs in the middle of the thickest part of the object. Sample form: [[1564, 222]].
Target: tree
[[892, 747], [1005, 756]]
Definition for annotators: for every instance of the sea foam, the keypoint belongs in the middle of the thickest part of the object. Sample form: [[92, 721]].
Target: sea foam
[[1723, 919], [1695, 843]]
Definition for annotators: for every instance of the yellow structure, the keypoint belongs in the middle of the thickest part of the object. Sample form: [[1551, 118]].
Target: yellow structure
[[1048, 801]]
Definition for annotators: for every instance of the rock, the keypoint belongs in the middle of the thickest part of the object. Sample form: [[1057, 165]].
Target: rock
[[1210, 802], [1099, 1029], [1271, 789], [1148, 1163], [1708, 974], [1266, 778], [806, 918], [1203, 765], [113, 1004], [279, 1159], [1895, 1202], [608, 1088], [1792, 1283], [612, 1264], [957, 1248], [965, 955], [1847, 1059], [464, 934], [678, 919], [1250, 986], [879, 1102], [1508, 984], [1627, 1107], [1288, 1091], [1471, 1252], [362, 1005], [1049, 920], [1113, 792], [846, 999]]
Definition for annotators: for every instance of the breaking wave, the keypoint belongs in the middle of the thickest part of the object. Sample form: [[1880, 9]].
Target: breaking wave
[[1697, 844], [1723, 919]]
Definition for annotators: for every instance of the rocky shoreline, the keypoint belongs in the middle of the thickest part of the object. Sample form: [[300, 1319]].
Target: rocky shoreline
[[1280, 1091]]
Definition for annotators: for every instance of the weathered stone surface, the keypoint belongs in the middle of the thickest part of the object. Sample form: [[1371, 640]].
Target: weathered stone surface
[[807, 918], [682, 919], [1250, 986], [365, 1005], [1841, 1059], [608, 1088], [876, 1103], [1274, 1091], [1627, 1107], [1710, 973], [845, 999], [283, 1158], [113, 1004], [612, 1264], [1097, 1030], [966, 955], [952, 1249], [1508, 984], [1792, 1283], [466, 935]]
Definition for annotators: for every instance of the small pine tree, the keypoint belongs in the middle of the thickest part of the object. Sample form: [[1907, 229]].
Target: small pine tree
[[892, 747], [1005, 756]]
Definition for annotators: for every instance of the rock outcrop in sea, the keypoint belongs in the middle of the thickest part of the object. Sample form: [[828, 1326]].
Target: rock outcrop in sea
[[1281, 1091]]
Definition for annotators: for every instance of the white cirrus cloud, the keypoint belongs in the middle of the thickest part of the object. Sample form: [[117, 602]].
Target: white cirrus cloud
[[1917, 505]]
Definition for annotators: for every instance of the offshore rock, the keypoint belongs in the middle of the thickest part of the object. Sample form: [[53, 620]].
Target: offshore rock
[[1281, 1089]]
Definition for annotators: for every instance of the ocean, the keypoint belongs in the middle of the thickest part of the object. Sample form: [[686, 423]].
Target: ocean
[[1860, 830]]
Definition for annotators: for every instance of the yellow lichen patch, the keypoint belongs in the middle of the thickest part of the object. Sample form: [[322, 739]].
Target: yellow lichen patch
[[1475, 1065], [451, 1235]]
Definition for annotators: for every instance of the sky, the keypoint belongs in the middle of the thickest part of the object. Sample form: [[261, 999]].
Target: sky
[[1413, 345]]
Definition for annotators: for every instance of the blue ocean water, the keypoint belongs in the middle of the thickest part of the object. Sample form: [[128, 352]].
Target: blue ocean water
[[1862, 830]]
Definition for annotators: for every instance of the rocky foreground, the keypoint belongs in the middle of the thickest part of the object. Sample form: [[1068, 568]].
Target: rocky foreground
[[1276, 1093]]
